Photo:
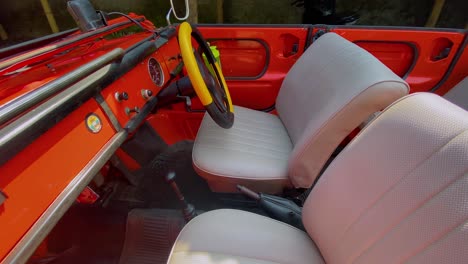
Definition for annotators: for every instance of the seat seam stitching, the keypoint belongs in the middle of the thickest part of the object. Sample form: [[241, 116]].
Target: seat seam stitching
[[268, 131], [279, 149], [412, 212], [228, 254], [248, 137], [436, 240], [258, 155], [237, 177], [390, 188]]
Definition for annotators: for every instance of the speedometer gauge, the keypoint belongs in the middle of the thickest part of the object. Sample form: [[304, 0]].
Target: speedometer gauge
[[155, 72]]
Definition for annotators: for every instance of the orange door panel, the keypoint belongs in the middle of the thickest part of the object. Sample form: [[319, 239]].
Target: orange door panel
[[242, 58], [255, 59], [421, 56], [398, 56]]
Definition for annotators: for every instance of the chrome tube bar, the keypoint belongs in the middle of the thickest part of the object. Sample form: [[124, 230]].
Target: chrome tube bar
[[19, 133], [21, 104]]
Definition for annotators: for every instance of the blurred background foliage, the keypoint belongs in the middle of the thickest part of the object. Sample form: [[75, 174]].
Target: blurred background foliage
[[25, 19]]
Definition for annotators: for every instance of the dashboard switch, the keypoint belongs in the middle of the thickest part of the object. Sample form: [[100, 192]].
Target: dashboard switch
[[146, 93], [123, 96], [129, 111]]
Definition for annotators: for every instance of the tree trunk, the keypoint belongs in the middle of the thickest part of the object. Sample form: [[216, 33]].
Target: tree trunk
[[193, 17], [219, 11]]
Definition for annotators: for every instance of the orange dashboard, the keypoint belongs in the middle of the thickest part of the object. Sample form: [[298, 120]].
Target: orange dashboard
[[137, 84], [33, 178]]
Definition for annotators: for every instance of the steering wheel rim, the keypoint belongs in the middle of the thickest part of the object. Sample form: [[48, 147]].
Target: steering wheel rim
[[209, 85]]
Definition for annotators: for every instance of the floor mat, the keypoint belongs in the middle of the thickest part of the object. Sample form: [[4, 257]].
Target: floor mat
[[153, 192], [86, 234], [156, 193], [150, 235]]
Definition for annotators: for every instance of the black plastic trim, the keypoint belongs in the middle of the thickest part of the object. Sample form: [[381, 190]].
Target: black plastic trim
[[268, 109], [309, 36], [138, 119], [3, 197], [108, 111]]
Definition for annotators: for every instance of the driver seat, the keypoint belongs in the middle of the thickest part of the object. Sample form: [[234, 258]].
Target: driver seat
[[333, 87], [398, 193]]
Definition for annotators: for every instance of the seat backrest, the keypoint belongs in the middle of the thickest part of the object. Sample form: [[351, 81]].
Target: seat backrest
[[398, 193], [459, 94], [333, 87]]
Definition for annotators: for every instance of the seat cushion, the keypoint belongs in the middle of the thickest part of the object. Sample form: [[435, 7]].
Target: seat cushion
[[398, 193], [254, 152], [234, 236], [459, 94]]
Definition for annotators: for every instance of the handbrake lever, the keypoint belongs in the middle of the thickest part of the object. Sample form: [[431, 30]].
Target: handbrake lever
[[276, 207]]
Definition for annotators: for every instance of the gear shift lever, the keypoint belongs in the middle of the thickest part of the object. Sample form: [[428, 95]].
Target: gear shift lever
[[188, 209], [276, 207]]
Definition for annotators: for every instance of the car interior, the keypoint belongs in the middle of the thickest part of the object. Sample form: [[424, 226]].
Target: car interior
[[148, 148]]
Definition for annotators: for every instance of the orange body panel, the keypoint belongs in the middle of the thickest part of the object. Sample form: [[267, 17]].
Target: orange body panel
[[397, 56], [426, 72], [260, 93], [241, 58], [35, 177], [176, 125]]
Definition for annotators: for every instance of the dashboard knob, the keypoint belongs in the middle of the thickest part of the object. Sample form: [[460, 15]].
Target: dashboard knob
[[129, 111], [123, 96], [146, 93]]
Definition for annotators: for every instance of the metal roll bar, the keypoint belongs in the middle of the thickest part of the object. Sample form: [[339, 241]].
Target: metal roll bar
[[21, 104]]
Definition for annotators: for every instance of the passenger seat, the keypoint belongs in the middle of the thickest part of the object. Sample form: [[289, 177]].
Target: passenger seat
[[459, 94]]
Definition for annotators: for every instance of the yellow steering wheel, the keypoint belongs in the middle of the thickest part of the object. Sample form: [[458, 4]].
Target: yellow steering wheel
[[207, 79]]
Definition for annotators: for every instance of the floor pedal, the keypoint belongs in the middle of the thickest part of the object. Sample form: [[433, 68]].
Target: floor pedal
[[150, 235]]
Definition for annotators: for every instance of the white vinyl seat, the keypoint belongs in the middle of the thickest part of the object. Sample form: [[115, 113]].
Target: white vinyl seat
[[333, 87], [398, 193], [459, 94]]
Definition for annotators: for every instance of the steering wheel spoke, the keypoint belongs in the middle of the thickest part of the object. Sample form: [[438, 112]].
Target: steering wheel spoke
[[209, 84]]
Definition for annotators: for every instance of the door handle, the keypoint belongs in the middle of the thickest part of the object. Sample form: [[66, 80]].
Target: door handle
[[442, 54], [290, 45], [292, 51], [441, 49]]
